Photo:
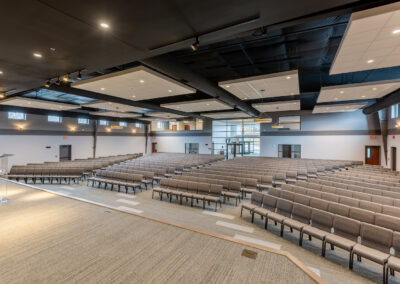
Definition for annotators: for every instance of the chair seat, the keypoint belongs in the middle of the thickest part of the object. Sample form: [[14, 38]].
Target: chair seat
[[198, 196], [249, 206], [248, 190], [340, 242], [315, 232], [264, 186], [231, 194], [176, 192], [262, 211], [187, 194], [394, 263], [291, 180], [302, 177], [276, 217], [371, 254], [294, 224], [212, 198]]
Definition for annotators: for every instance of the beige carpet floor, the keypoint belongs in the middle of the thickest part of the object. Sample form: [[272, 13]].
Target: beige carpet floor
[[45, 238]]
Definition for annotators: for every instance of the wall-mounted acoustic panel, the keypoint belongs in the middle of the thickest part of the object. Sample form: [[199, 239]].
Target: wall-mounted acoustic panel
[[138, 83], [264, 86], [39, 104], [371, 41]]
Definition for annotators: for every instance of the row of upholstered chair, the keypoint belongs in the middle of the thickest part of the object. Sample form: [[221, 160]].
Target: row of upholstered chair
[[373, 178], [158, 172], [45, 174], [349, 198], [248, 185], [126, 180], [148, 177], [204, 192], [231, 189], [364, 182], [342, 183], [337, 230]]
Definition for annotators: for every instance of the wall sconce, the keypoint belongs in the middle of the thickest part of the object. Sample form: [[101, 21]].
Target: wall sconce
[[108, 129], [20, 127], [72, 128], [133, 130]]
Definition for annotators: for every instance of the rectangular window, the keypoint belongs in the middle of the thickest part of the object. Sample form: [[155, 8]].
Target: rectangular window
[[54, 118], [103, 122], [394, 110], [123, 123], [138, 125], [159, 124], [17, 115], [83, 120], [368, 153]]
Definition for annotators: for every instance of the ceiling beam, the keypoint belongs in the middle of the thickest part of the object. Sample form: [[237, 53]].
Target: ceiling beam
[[93, 95], [387, 101], [167, 65]]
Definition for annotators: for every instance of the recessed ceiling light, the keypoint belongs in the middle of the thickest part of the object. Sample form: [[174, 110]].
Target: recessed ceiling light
[[227, 86], [141, 81], [169, 91], [336, 99], [1, 72], [133, 96], [208, 104], [52, 49], [37, 55], [245, 98], [374, 89], [342, 92], [109, 103], [288, 77], [292, 93], [369, 61], [29, 103], [396, 31], [102, 89], [104, 25], [347, 107], [363, 96]]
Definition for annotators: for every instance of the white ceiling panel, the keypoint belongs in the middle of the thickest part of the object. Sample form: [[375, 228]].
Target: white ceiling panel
[[371, 41], [338, 107], [164, 115], [277, 106], [198, 106], [229, 114], [40, 104], [115, 114], [113, 107], [138, 83], [264, 86], [361, 91]]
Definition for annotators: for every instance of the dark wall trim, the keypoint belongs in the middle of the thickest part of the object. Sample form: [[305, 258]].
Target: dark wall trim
[[62, 133], [321, 133], [180, 133], [394, 131]]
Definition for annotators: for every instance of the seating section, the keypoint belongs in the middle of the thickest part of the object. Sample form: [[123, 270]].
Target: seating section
[[126, 180], [182, 189], [65, 171]]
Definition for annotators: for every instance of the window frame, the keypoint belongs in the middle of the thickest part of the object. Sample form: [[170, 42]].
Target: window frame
[[16, 113], [54, 116], [83, 121]]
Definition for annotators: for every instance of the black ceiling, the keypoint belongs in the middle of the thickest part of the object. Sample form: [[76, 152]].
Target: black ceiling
[[258, 37]]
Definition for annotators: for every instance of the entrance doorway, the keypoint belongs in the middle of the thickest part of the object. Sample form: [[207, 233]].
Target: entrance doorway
[[372, 155], [154, 147], [394, 158], [191, 148], [65, 152]]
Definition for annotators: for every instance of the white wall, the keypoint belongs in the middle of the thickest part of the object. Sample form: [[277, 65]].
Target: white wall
[[32, 148], [119, 145], [335, 147], [393, 143], [176, 144]]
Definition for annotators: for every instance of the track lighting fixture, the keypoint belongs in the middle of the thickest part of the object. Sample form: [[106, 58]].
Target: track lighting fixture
[[195, 45], [65, 79], [47, 84]]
